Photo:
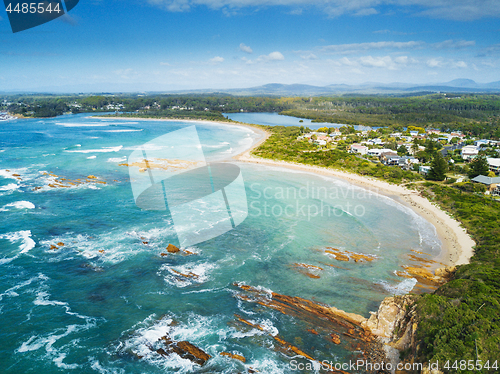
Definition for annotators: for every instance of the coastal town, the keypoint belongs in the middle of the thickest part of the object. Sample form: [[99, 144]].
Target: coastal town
[[412, 150]]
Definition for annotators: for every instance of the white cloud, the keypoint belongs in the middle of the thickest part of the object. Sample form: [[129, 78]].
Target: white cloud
[[216, 60], [310, 56], [165, 64], [447, 9], [245, 48], [454, 44], [434, 63], [460, 64], [274, 56], [366, 12], [359, 47]]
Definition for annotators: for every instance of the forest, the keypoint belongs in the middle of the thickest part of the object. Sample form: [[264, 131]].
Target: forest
[[476, 115]]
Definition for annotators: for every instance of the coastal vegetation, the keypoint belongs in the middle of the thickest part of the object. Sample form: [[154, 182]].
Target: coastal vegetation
[[284, 145], [460, 321]]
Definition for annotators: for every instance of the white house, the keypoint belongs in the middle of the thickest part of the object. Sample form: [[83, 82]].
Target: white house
[[469, 152], [494, 164], [358, 148], [377, 151]]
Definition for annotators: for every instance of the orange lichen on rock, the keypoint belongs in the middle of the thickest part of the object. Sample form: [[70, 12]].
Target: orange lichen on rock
[[234, 356], [306, 310], [347, 255], [423, 276], [312, 331], [172, 249], [246, 322], [335, 338]]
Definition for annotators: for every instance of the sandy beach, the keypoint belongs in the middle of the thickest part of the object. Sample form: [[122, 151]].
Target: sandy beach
[[457, 245]]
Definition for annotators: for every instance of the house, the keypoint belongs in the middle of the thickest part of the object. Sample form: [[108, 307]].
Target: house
[[493, 184], [424, 169], [386, 157], [376, 141], [335, 133], [494, 164], [358, 148], [469, 152], [480, 143], [377, 151], [413, 133]]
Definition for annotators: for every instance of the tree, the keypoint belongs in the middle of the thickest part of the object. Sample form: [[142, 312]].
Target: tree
[[414, 146], [402, 151], [479, 166], [438, 168]]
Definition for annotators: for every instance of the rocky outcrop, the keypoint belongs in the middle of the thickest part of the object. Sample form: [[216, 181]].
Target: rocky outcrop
[[446, 272], [346, 256], [234, 356], [391, 313], [172, 249], [184, 349]]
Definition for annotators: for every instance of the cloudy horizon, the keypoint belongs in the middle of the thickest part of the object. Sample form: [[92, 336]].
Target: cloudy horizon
[[223, 44]]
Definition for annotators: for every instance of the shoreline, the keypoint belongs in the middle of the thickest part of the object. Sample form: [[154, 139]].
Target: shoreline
[[456, 244]]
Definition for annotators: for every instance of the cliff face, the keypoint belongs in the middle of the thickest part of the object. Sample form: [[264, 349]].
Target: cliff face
[[395, 324]]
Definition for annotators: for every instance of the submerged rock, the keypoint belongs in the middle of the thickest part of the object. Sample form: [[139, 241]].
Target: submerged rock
[[234, 356]]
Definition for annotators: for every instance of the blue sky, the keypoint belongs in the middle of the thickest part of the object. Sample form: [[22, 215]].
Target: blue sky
[[110, 45]]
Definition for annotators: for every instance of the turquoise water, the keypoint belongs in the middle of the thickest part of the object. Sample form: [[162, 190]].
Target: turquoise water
[[96, 303]]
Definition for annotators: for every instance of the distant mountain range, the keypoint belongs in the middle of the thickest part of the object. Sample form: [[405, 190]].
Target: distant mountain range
[[278, 89], [455, 86]]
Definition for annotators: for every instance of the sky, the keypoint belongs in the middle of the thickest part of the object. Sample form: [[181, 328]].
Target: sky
[[165, 45]]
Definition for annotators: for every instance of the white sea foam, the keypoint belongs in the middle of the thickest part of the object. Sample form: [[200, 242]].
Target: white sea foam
[[401, 288], [24, 237], [101, 150], [197, 330], [11, 292], [116, 159], [91, 157], [10, 187], [190, 274], [18, 205], [83, 124], [123, 130]]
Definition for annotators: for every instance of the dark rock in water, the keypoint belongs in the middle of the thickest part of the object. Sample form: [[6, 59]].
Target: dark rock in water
[[172, 249], [187, 350], [184, 349]]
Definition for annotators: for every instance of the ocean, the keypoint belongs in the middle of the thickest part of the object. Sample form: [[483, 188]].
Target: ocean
[[87, 285]]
